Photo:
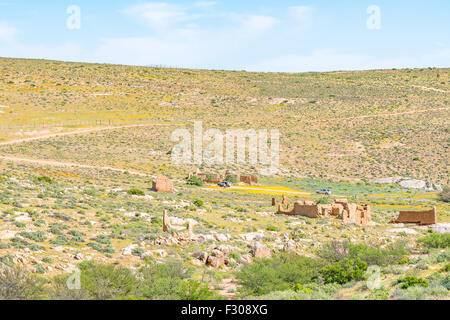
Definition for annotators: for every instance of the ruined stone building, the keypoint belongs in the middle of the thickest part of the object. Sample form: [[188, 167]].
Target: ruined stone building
[[340, 208], [250, 180], [162, 184], [424, 217], [218, 177]]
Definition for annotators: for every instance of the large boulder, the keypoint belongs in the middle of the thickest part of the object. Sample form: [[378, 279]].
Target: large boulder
[[216, 259], [222, 237], [290, 245], [259, 250], [200, 255], [443, 227], [413, 184]]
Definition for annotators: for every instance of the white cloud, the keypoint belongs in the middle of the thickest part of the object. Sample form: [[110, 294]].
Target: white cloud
[[66, 51], [302, 15], [205, 4], [237, 41], [258, 23], [159, 15], [7, 32], [319, 60], [332, 60]]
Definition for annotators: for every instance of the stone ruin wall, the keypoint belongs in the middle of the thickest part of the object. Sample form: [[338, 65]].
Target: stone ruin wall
[[340, 208], [216, 177], [250, 180], [424, 217], [162, 184]]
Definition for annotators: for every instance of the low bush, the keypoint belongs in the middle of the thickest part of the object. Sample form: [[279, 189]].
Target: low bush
[[279, 273], [194, 290], [136, 192], [378, 256], [195, 181], [338, 250], [445, 194], [163, 281], [19, 284], [436, 240], [198, 203], [103, 282], [411, 281], [44, 179], [344, 271]]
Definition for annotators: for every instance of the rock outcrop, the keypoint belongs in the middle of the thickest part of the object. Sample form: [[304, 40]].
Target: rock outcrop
[[259, 250]]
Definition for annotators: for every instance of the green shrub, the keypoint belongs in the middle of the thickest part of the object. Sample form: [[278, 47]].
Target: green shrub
[[310, 291], [443, 256], [162, 281], [195, 181], [40, 269], [4, 245], [410, 281], [338, 250], [194, 290], [403, 261], [324, 200], [103, 282], [279, 273], [445, 194], [20, 224], [197, 202], [231, 178], [18, 284], [157, 222], [138, 252], [379, 294], [37, 236], [136, 192], [61, 240], [47, 260], [344, 271], [44, 179], [60, 291], [334, 251], [436, 240], [378, 256]]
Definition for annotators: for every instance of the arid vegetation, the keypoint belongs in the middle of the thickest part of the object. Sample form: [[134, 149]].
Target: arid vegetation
[[81, 144]]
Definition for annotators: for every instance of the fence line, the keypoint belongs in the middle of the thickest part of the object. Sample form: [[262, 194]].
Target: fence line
[[70, 122]]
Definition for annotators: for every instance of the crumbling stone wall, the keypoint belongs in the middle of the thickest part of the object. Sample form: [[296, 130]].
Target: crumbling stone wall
[[424, 217], [250, 180], [162, 184], [340, 208], [218, 177]]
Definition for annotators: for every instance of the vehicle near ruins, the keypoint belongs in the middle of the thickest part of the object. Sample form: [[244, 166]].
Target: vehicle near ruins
[[324, 191]]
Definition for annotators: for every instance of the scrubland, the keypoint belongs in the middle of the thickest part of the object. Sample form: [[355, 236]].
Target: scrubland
[[63, 206]]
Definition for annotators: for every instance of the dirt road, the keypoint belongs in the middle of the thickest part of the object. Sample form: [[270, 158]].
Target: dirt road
[[83, 131], [386, 114], [53, 163]]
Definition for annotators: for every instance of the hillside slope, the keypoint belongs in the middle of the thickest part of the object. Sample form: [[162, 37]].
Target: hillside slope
[[363, 125]]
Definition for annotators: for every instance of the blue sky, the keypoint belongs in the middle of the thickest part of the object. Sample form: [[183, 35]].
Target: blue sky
[[283, 35]]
